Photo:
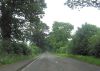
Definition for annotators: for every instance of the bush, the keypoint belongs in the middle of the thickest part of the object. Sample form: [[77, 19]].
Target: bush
[[12, 58], [62, 50], [94, 45], [79, 43], [35, 49], [20, 48], [18, 52]]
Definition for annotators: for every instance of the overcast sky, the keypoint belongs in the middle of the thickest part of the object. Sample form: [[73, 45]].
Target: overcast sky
[[56, 11]]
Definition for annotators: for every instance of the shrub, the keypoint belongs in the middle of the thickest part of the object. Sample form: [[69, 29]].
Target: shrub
[[94, 45], [35, 49], [21, 48]]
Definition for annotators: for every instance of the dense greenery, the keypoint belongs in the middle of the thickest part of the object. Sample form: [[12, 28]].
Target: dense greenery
[[22, 31], [79, 43], [39, 34], [85, 41], [21, 28], [94, 44], [59, 36], [17, 17], [12, 58]]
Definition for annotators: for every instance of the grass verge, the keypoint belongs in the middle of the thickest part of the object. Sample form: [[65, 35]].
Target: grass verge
[[9, 59], [88, 59]]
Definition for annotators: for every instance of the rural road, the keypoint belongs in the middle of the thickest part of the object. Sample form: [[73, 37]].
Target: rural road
[[49, 62]]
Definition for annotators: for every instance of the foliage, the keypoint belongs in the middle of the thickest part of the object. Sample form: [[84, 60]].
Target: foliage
[[12, 58], [62, 50], [82, 3], [16, 17], [15, 48], [20, 51], [29, 9], [60, 35], [35, 49], [21, 48], [94, 45], [39, 34], [79, 43]]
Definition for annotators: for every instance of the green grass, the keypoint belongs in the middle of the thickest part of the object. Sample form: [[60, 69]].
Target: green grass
[[9, 59], [88, 59]]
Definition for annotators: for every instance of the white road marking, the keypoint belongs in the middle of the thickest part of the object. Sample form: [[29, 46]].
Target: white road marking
[[30, 64]]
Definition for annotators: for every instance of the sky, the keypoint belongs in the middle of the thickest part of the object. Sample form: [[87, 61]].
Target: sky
[[57, 11]]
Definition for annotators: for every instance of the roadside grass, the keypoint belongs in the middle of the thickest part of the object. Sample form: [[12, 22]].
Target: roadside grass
[[88, 59], [12, 58]]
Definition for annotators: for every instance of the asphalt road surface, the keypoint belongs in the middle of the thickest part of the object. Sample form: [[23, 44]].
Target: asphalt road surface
[[49, 62]]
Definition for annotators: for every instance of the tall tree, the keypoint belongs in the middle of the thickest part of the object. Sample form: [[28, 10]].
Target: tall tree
[[60, 34], [39, 34], [14, 14], [29, 9], [80, 39], [94, 44], [36, 33]]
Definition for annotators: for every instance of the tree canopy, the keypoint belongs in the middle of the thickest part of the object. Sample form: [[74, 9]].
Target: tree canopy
[[79, 43], [82, 3], [94, 44], [13, 10], [60, 34], [17, 17]]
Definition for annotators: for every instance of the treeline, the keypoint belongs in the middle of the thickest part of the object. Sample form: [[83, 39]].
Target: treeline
[[20, 23], [58, 37], [85, 41]]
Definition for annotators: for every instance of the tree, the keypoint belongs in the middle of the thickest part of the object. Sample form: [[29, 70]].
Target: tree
[[29, 9], [60, 34], [80, 39], [94, 44], [36, 33], [14, 14], [39, 33], [82, 3]]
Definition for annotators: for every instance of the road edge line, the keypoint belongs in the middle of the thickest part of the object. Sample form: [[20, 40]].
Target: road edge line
[[28, 64]]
